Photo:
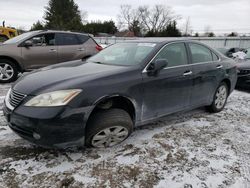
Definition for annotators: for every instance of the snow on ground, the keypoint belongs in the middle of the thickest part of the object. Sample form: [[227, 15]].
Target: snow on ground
[[185, 150]]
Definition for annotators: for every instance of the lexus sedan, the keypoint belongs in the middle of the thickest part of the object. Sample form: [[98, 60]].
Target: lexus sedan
[[98, 102], [36, 49]]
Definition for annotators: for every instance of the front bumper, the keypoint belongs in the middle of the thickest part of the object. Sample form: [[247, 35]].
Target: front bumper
[[56, 127], [243, 81]]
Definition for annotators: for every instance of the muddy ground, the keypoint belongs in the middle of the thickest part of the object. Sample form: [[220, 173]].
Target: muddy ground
[[186, 150]]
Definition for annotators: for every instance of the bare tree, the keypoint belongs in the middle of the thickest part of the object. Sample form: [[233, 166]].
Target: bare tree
[[156, 19], [127, 16], [143, 18], [187, 30]]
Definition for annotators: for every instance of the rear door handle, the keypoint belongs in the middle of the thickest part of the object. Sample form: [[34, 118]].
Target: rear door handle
[[219, 66], [80, 49], [187, 73]]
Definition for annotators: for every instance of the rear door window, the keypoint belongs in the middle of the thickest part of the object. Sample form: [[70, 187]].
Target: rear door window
[[200, 53], [63, 39], [215, 57]]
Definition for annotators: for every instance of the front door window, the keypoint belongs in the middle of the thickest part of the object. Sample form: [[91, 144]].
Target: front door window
[[175, 54]]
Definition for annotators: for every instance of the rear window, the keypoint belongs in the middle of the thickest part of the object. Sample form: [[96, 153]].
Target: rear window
[[63, 39], [82, 38]]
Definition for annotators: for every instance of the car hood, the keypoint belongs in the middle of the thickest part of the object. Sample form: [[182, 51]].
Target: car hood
[[70, 75], [2, 45], [7, 48], [244, 65]]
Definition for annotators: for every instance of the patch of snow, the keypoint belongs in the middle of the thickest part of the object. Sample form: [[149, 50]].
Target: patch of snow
[[127, 160]]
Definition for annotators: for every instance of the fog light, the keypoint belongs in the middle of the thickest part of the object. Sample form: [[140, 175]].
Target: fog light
[[36, 136]]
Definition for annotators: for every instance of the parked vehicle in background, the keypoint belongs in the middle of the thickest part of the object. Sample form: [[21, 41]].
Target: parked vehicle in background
[[248, 54], [244, 72], [229, 52], [104, 45], [37, 49], [99, 102], [7, 33]]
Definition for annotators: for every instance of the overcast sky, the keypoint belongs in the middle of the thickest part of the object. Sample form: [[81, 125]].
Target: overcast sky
[[221, 15]]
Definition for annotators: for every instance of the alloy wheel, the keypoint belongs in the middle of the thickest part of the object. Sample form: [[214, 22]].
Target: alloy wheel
[[221, 97], [109, 137], [6, 71]]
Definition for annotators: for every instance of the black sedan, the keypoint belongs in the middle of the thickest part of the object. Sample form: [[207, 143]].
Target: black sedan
[[230, 51], [99, 102], [244, 72]]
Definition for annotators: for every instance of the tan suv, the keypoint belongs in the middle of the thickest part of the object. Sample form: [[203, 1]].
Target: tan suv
[[37, 49]]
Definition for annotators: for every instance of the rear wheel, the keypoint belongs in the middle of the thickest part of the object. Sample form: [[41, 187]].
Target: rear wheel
[[85, 58], [8, 71], [220, 98], [108, 128]]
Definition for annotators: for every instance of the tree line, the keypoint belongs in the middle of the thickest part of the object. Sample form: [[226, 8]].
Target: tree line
[[156, 21]]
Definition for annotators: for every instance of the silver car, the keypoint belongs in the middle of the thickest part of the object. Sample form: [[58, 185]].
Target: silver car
[[37, 49]]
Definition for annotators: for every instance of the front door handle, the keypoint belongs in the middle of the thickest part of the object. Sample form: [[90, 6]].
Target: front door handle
[[219, 66], [52, 50], [187, 73]]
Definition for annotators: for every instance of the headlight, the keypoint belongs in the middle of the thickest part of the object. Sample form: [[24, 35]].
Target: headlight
[[55, 98]]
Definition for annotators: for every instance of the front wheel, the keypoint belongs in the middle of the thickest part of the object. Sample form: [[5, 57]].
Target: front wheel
[[220, 98], [8, 71], [108, 128]]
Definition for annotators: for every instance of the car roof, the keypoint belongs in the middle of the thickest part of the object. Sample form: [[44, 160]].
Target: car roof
[[154, 40], [162, 41], [57, 31]]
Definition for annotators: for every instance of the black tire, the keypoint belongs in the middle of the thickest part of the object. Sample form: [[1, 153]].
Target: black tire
[[15, 71], [85, 58], [107, 119], [213, 108]]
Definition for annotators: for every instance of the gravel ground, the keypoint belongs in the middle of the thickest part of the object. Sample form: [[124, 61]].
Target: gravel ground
[[186, 150]]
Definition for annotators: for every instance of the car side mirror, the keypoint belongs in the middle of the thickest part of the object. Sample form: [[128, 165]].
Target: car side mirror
[[155, 67], [28, 43]]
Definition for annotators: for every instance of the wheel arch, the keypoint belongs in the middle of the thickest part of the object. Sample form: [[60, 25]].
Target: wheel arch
[[117, 101], [19, 67], [228, 82], [4, 36]]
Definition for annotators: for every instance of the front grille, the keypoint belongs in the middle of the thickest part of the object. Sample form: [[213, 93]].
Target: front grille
[[244, 72], [15, 98]]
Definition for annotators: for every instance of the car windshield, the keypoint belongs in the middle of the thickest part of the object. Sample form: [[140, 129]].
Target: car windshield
[[125, 54], [19, 37]]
